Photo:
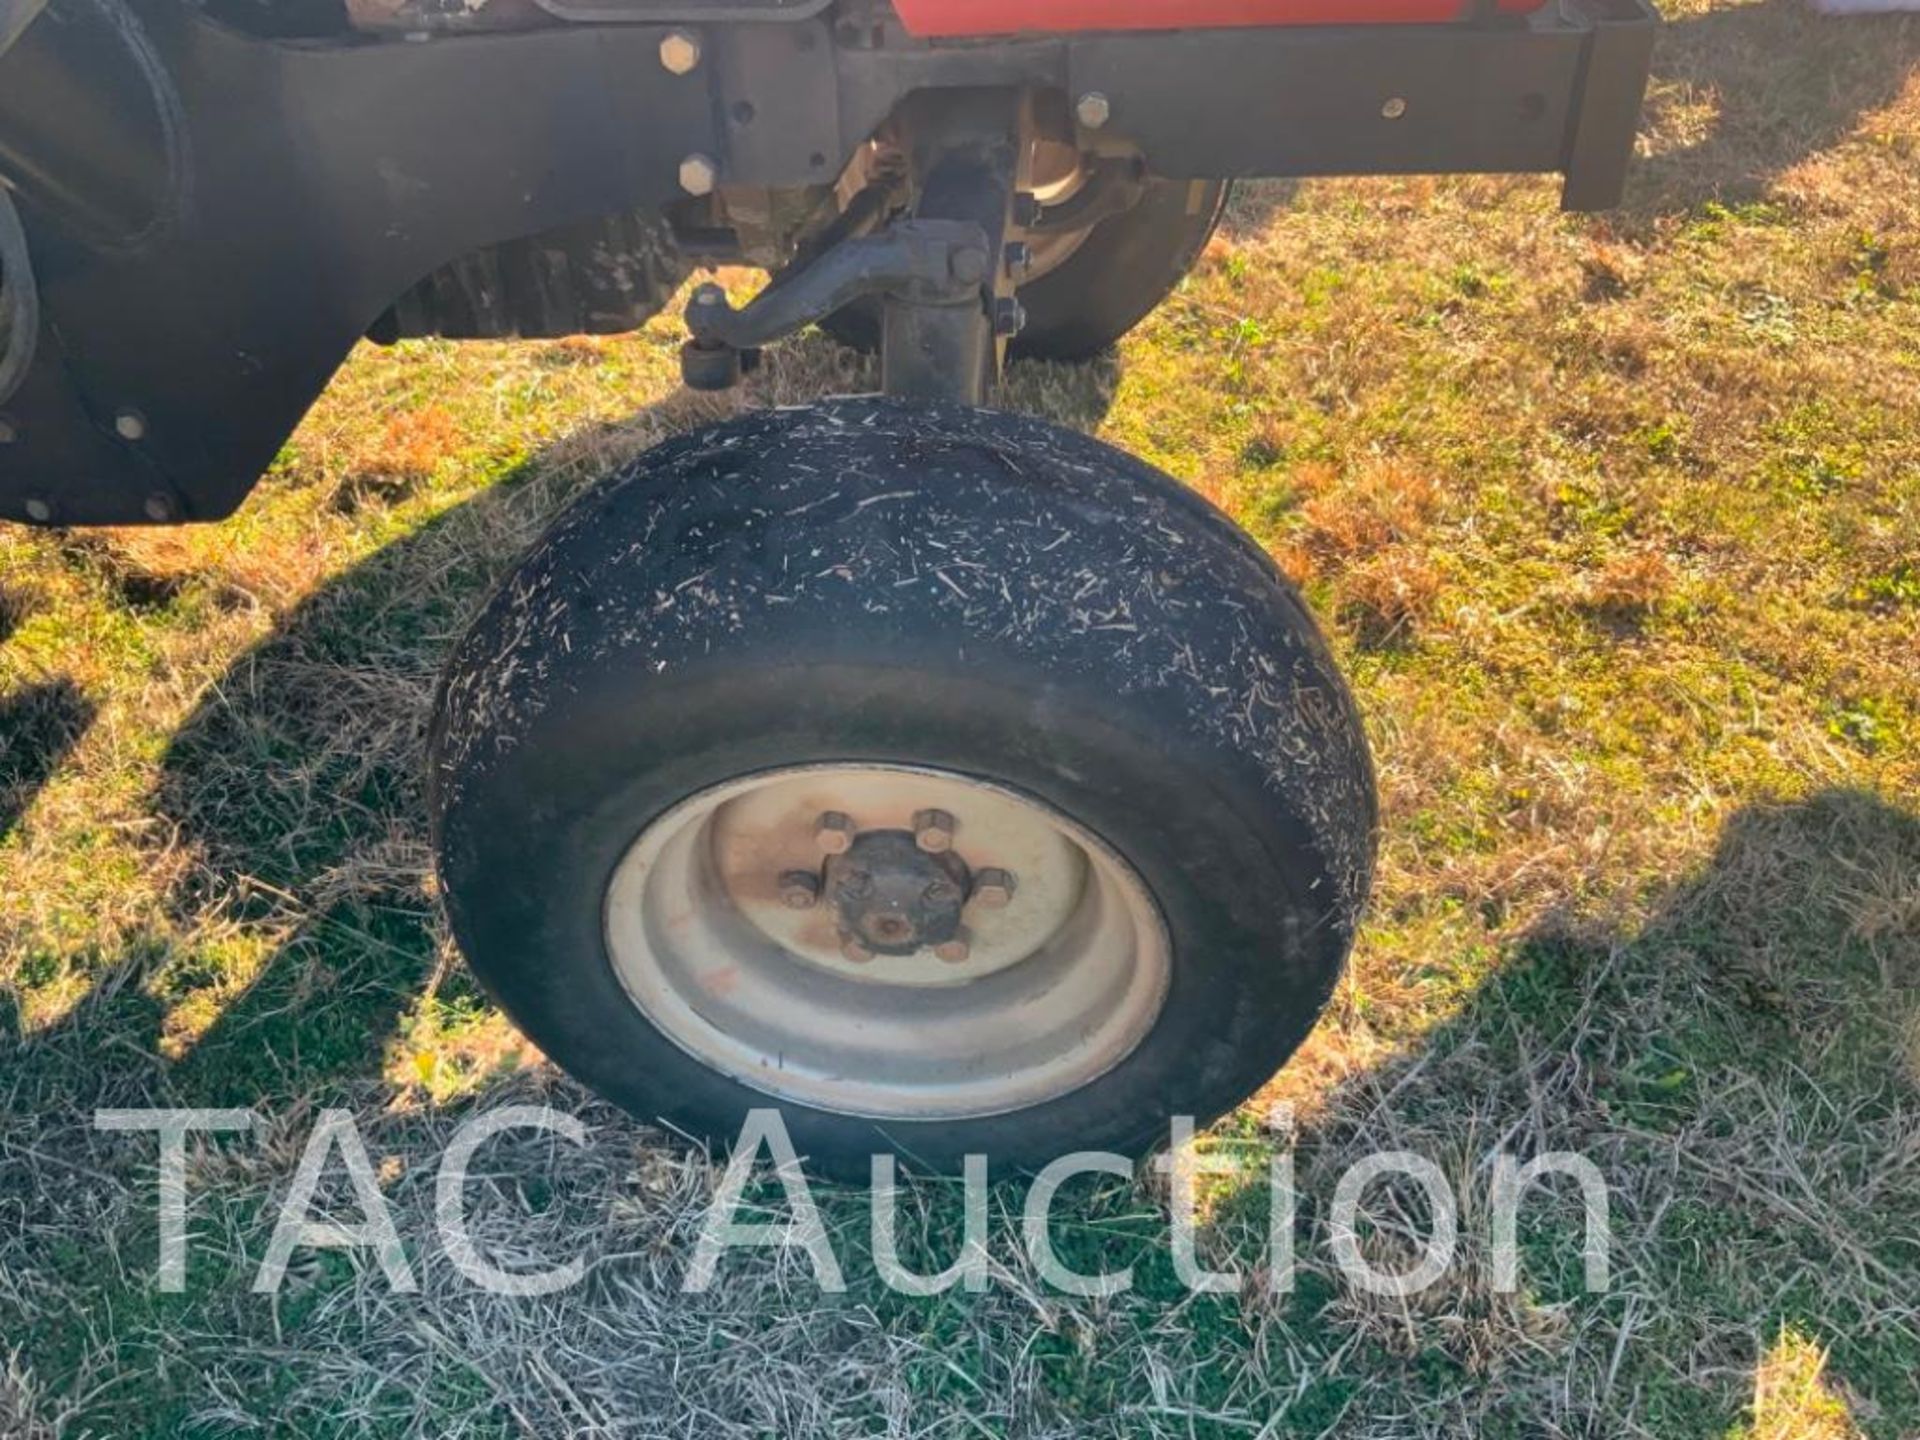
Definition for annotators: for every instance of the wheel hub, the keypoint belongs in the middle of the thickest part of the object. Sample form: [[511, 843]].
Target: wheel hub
[[954, 948], [893, 898]]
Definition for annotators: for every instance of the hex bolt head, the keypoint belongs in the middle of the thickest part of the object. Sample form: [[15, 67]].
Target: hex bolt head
[[680, 53], [699, 175], [856, 952], [933, 831], [130, 425], [1009, 317], [1019, 257], [833, 832], [1393, 109], [799, 890], [1094, 110], [955, 952], [39, 511], [709, 294], [993, 889]]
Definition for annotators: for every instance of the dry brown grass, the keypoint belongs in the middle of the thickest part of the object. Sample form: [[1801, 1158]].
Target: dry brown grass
[[405, 454], [1389, 593], [1628, 585], [1351, 519]]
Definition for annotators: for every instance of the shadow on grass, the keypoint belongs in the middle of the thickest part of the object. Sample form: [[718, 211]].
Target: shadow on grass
[[39, 725], [1743, 94], [1255, 206], [1739, 1071]]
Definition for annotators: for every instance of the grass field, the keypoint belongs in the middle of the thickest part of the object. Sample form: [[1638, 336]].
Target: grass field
[[1616, 522]]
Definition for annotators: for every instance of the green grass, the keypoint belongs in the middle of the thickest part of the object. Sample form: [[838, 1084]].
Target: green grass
[[1616, 524]]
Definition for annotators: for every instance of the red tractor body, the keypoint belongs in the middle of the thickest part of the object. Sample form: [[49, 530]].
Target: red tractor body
[[1012, 17]]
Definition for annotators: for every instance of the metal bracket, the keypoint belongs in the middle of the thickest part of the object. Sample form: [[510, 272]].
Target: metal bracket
[[921, 262], [963, 154], [1113, 186]]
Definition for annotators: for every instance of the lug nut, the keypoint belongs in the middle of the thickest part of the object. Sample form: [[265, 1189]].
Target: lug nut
[[680, 53], [1393, 109], [833, 832], [799, 889], [954, 952], [699, 175], [993, 889], [857, 953], [1094, 110], [130, 425], [933, 831]]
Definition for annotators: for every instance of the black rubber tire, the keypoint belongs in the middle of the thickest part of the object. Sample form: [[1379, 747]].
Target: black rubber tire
[[1118, 277], [869, 581]]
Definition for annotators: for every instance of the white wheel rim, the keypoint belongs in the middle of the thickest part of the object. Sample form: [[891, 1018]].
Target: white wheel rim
[[1059, 987]]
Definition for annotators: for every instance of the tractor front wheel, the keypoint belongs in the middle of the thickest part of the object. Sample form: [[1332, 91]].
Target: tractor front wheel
[[948, 780]]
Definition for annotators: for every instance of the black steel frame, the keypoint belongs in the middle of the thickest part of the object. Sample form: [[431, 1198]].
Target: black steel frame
[[215, 218]]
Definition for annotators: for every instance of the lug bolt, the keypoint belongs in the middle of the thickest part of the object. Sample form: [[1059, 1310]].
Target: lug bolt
[[1094, 110], [799, 889], [954, 952], [993, 889], [130, 425], [699, 175], [933, 831], [680, 53], [857, 953], [833, 832]]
